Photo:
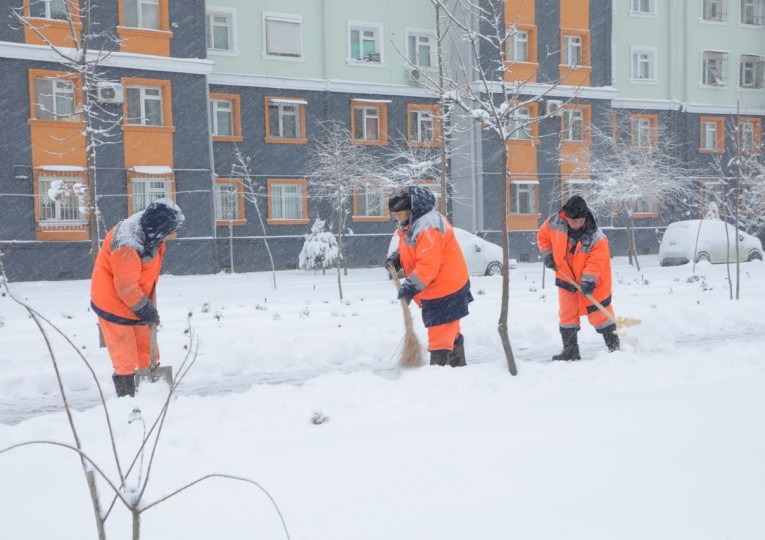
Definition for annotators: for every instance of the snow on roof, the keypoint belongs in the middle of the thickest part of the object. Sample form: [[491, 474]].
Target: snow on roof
[[362, 100], [61, 168], [284, 101], [152, 169]]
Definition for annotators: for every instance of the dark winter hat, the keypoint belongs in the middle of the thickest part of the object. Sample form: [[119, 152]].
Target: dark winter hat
[[400, 200], [575, 208], [160, 219]]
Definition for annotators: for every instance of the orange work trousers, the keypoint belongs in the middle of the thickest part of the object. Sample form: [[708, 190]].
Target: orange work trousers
[[569, 314], [442, 336], [129, 346]]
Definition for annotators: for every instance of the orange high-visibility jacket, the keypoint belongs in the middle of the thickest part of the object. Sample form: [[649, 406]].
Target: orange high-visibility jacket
[[589, 261], [122, 281]]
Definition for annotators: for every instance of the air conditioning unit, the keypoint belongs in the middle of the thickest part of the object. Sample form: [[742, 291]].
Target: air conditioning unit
[[109, 92], [413, 74], [554, 107]]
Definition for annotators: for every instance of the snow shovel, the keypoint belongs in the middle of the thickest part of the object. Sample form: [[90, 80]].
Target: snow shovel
[[154, 372], [620, 322], [411, 353]]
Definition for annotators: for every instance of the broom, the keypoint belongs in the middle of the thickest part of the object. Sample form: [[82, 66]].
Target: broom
[[411, 352]]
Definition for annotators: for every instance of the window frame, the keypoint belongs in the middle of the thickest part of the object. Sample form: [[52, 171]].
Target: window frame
[[756, 124], [636, 122], [49, 175], [635, 10], [47, 3], [652, 61], [360, 26], [718, 123], [283, 102], [757, 70], [723, 56], [289, 18], [722, 8], [758, 12], [238, 185], [139, 14], [271, 183], [142, 101], [378, 191], [236, 118], [419, 109], [531, 188], [423, 33], [135, 177], [652, 210], [56, 77], [233, 38], [382, 125]]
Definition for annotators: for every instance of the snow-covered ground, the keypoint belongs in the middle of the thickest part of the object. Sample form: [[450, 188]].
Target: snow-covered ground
[[662, 440]]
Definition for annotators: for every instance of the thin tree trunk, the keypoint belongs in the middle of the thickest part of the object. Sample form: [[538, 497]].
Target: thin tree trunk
[[502, 323], [93, 489], [339, 251], [631, 235]]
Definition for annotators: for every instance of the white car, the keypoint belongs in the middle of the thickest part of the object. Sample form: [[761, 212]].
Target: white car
[[482, 257], [679, 244]]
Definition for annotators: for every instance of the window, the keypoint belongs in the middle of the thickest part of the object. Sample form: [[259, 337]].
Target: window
[[573, 187], [49, 9], [420, 48], [644, 207], [370, 122], [714, 67], [146, 188], [141, 14], [573, 124], [365, 43], [750, 71], [753, 12], [225, 117], [518, 125], [282, 35], [644, 130], [518, 46], [423, 125], [750, 134], [61, 196], [643, 66], [712, 139], [714, 10], [369, 201], [221, 30], [523, 196], [229, 201], [285, 120], [572, 50], [646, 7], [54, 99], [144, 105], [287, 201]]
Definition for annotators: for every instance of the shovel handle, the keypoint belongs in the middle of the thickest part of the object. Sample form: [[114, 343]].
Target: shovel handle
[[153, 346], [589, 297]]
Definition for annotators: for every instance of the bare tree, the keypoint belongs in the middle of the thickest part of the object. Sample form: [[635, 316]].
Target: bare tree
[[335, 168], [82, 53]]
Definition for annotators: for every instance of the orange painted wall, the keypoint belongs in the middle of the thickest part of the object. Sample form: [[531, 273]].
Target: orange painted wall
[[575, 14]]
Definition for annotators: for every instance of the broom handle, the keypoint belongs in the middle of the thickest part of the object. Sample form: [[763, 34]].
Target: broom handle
[[588, 297], [408, 323], [153, 331]]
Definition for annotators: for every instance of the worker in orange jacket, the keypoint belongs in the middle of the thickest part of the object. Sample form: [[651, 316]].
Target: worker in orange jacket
[[435, 269], [123, 285], [572, 244]]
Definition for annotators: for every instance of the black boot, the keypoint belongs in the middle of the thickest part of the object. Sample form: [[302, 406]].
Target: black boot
[[612, 341], [570, 347], [439, 358], [124, 385], [457, 356]]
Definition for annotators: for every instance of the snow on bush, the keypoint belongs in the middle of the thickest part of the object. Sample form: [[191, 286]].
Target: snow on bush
[[319, 250]]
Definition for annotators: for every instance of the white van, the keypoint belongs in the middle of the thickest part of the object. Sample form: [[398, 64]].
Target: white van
[[679, 244]]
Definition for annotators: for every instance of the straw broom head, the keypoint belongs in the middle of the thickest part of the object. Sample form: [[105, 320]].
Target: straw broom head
[[411, 352]]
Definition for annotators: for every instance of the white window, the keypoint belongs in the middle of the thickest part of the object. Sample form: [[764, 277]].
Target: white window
[[572, 50], [643, 205], [643, 66], [146, 190], [370, 201], [366, 123], [747, 136], [284, 119], [222, 117], [54, 99], [141, 13], [518, 125], [647, 7], [753, 12], [751, 71], [227, 196], [48, 9], [714, 68], [286, 200], [421, 126], [61, 199], [714, 10], [518, 46], [221, 30], [523, 197], [282, 35], [573, 125], [365, 43], [144, 105], [641, 133], [576, 187], [709, 136], [421, 48]]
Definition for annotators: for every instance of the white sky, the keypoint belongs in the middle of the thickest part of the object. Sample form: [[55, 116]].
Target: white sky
[[662, 440]]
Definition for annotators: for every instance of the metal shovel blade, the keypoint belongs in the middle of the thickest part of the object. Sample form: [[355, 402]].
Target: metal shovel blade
[[154, 373]]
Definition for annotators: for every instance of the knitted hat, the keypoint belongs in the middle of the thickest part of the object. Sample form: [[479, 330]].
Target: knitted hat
[[575, 208], [400, 200], [160, 219]]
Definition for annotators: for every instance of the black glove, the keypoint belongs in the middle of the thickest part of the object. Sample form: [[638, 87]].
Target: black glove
[[407, 290], [550, 262], [587, 287], [148, 314], [395, 260]]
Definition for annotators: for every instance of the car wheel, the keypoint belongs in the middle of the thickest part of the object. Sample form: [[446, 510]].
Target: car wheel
[[755, 255], [703, 256], [494, 268]]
